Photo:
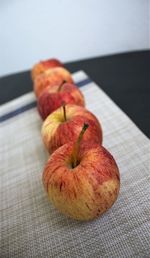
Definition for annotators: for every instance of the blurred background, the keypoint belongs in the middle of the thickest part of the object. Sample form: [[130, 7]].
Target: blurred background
[[33, 30]]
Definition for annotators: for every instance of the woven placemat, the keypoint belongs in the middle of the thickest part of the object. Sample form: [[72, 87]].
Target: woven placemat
[[31, 227]]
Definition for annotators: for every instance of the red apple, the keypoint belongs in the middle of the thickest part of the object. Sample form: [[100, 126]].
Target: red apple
[[82, 179], [64, 124], [43, 66], [51, 77], [52, 98]]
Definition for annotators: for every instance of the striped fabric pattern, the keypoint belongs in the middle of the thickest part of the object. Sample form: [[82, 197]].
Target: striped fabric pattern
[[31, 227]]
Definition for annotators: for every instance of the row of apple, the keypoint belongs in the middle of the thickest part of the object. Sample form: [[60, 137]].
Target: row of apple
[[81, 177]]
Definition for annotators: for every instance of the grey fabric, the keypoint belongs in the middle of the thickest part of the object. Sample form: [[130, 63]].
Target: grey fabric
[[31, 227]]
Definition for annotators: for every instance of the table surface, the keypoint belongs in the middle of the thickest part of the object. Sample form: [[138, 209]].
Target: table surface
[[124, 77]]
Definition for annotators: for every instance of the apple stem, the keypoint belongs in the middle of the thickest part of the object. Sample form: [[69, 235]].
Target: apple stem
[[60, 86], [77, 145], [64, 111]]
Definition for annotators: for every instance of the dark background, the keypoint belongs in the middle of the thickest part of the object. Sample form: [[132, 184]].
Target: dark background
[[124, 77]]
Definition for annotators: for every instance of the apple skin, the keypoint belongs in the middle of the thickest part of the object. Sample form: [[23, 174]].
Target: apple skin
[[51, 77], [52, 98], [57, 132], [89, 189], [43, 66]]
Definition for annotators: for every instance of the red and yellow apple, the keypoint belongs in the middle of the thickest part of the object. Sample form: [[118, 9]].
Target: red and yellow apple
[[64, 125], [43, 66], [52, 98], [51, 77], [82, 179]]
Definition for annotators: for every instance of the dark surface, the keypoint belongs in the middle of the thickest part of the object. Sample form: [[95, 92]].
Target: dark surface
[[124, 77]]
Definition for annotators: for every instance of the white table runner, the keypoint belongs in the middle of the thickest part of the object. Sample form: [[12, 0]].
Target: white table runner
[[31, 227]]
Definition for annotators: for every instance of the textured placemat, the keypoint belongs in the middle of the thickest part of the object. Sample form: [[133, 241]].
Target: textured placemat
[[31, 227]]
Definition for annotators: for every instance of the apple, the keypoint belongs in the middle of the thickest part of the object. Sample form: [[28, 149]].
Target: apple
[[82, 179], [42, 66], [51, 77], [65, 123], [52, 98]]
